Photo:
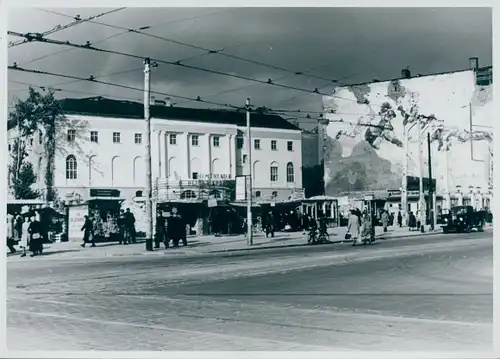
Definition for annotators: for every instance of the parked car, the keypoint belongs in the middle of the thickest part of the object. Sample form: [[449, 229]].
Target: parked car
[[463, 219]]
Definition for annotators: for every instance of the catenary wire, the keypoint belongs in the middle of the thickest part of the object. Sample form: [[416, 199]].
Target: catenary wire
[[167, 23], [93, 80], [88, 46], [206, 50], [77, 21]]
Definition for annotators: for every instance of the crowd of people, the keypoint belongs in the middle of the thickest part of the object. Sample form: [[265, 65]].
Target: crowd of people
[[117, 227], [27, 232], [171, 228]]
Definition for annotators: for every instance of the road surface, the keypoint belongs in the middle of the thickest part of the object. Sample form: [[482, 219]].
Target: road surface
[[429, 293]]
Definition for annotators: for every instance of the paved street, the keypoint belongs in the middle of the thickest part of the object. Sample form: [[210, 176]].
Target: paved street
[[426, 293]]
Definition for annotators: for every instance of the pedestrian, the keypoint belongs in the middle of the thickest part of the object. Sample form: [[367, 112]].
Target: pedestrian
[[270, 222], [366, 228], [10, 233], [18, 227], [25, 235], [385, 220], [34, 229], [412, 221], [88, 233], [130, 226], [400, 219], [160, 230], [121, 227], [175, 227], [353, 226]]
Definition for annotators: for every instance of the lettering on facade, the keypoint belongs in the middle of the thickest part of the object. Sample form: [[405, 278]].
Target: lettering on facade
[[206, 183], [214, 176]]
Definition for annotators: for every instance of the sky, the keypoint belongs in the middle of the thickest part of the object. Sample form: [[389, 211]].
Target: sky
[[350, 45]]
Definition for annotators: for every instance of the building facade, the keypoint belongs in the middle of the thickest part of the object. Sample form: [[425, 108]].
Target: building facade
[[364, 135], [101, 146]]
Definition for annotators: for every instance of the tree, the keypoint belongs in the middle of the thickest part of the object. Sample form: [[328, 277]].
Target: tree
[[21, 185], [39, 112]]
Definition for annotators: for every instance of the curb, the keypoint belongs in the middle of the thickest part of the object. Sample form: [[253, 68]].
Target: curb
[[378, 237]]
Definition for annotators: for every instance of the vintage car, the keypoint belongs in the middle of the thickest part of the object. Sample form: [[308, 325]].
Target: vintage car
[[463, 219]]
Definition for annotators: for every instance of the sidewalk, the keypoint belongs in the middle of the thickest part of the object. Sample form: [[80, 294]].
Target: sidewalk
[[210, 244]]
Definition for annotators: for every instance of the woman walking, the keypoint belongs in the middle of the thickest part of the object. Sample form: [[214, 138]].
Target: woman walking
[[385, 220], [353, 227], [366, 228], [25, 236], [36, 245]]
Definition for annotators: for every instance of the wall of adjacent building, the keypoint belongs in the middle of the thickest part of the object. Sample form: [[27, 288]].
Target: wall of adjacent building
[[353, 163]]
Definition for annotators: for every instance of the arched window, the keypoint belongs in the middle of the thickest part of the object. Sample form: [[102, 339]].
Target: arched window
[[274, 194], [290, 174], [274, 172], [258, 194], [71, 168], [138, 193]]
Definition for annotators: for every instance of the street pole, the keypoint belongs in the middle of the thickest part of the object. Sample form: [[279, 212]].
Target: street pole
[[432, 214], [249, 177], [147, 143], [421, 177], [404, 180]]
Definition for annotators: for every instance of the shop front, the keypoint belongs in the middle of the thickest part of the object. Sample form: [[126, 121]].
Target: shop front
[[103, 208], [202, 202]]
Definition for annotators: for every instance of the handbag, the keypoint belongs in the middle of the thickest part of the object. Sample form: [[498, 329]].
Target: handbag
[[347, 235], [36, 235]]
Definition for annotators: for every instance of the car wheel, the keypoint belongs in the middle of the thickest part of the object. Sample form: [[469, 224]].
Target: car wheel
[[445, 230]]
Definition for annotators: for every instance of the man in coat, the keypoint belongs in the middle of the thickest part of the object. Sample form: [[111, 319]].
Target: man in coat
[[87, 229]]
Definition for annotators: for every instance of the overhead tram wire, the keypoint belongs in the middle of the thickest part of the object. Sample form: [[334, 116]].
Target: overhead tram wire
[[206, 50], [93, 80], [44, 88], [77, 21], [212, 51], [122, 33], [88, 46]]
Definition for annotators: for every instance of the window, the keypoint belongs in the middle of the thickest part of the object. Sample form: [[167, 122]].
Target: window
[[138, 138], [289, 145], [274, 194], [239, 142], [290, 175], [195, 175], [10, 147], [138, 193], [258, 194], [71, 135], [274, 173], [173, 139], [94, 136], [256, 144], [116, 137], [244, 158], [274, 145], [40, 137], [195, 140], [216, 141], [31, 141], [71, 168]]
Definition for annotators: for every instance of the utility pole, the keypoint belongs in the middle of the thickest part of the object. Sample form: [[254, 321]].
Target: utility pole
[[147, 144], [404, 180], [248, 178], [421, 177], [432, 214]]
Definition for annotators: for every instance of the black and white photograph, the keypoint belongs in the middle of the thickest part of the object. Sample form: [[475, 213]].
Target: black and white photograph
[[248, 178]]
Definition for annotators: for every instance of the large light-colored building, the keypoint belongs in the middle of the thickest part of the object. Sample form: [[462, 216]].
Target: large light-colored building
[[364, 137], [101, 146]]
